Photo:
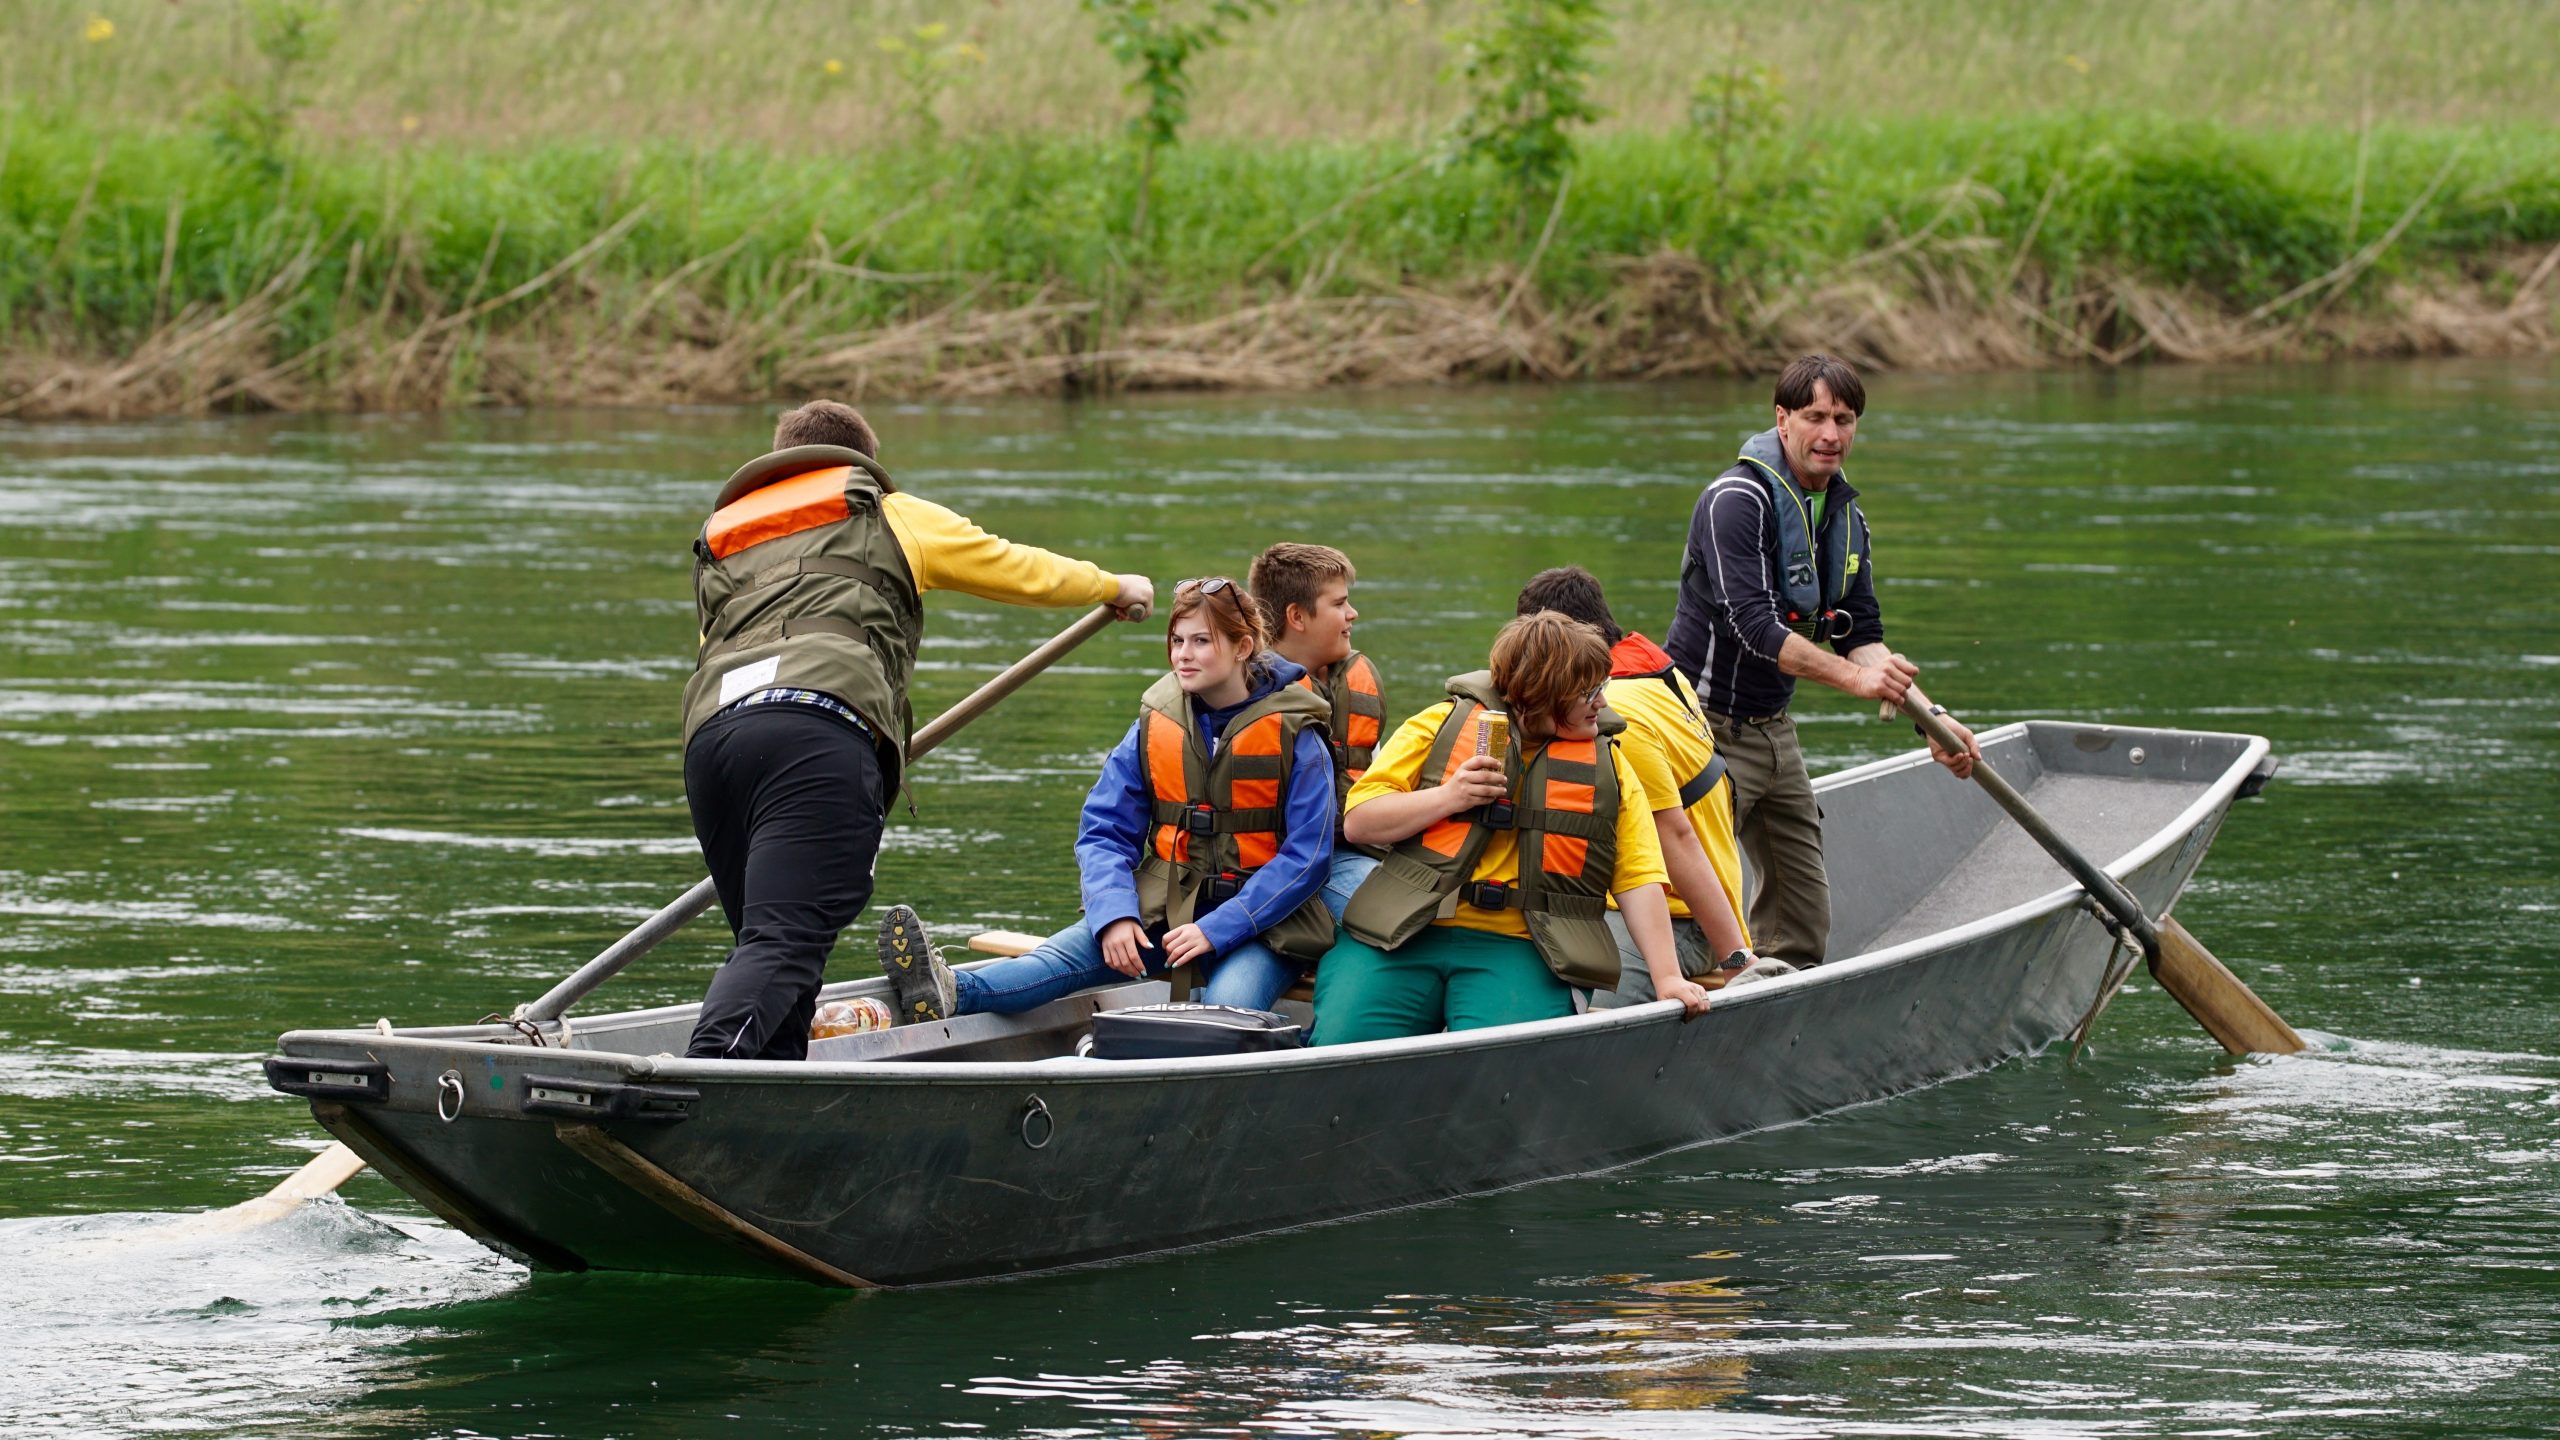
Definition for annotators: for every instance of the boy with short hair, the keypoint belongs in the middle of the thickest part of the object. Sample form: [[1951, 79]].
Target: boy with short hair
[[1305, 592], [1668, 742]]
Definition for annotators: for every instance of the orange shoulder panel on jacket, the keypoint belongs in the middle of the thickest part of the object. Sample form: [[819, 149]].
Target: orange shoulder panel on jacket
[[785, 507], [1164, 777]]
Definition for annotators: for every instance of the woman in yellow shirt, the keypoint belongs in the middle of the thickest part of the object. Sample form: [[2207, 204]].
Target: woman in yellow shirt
[[1491, 907]]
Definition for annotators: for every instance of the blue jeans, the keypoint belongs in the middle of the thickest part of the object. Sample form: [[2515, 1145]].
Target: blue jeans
[[1250, 975], [1350, 867]]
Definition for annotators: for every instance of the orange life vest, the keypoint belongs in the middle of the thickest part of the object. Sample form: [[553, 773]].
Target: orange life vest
[[1216, 819]]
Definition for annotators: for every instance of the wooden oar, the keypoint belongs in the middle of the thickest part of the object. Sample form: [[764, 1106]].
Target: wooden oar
[[2228, 1010], [337, 1165]]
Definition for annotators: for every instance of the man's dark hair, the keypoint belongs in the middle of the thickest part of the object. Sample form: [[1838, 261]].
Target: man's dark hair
[[826, 422], [1573, 592], [1795, 385]]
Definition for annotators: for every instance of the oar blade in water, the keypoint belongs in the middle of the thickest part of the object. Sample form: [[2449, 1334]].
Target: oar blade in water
[[2228, 1010], [327, 1171]]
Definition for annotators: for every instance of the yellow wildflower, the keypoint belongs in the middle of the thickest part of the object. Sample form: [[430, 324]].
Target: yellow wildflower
[[99, 30], [2076, 63], [408, 124], [835, 67], [971, 53], [933, 32], [891, 44]]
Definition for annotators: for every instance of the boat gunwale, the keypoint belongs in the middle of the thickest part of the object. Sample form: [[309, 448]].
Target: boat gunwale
[[2216, 798]]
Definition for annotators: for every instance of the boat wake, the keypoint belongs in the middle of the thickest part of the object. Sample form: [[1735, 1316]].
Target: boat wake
[[133, 1322]]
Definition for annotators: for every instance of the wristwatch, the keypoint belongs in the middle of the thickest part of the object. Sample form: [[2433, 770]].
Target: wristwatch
[[1737, 962], [1915, 725]]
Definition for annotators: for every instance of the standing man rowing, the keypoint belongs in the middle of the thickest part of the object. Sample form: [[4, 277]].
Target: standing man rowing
[[1778, 563], [809, 582]]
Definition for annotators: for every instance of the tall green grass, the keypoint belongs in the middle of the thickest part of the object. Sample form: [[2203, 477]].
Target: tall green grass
[[822, 246]]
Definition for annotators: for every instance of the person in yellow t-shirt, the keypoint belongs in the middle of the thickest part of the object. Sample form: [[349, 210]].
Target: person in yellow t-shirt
[[1674, 753], [1438, 936]]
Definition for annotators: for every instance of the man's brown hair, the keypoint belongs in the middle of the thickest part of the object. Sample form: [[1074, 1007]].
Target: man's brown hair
[[1545, 662], [1795, 383], [1574, 592], [1290, 573], [825, 422]]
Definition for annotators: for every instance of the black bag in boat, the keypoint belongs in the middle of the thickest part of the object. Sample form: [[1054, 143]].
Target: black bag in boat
[[1170, 1032]]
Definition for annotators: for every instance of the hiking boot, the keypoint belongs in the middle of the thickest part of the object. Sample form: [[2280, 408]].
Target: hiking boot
[[920, 985]]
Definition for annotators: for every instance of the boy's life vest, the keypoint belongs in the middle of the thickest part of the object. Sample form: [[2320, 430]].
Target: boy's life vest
[[1218, 818], [1359, 705], [799, 583], [1564, 805], [1813, 590]]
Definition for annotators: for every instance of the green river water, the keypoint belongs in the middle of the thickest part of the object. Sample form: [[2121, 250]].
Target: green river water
[[309, 721]]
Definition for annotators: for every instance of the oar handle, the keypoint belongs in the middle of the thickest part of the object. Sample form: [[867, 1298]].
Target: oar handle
[[2118, 900], [674, 916], [680, 911], [1012, 678]]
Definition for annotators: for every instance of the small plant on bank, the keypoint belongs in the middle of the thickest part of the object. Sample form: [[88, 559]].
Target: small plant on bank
[[252, 123], [1528, 66], [925, 61], [1156, 40], [1734, 108]]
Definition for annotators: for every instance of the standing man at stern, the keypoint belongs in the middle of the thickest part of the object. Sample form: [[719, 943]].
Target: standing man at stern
[[1778, 564], [809, 581]]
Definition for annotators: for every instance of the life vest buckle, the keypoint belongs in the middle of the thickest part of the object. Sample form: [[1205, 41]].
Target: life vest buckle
[[1201, 820], [1224, 886], [1500, 815], [1489, 894], [1829, 625]]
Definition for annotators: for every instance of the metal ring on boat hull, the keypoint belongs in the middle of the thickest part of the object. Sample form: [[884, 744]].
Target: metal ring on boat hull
[[1037, 1110], [449, 1096]]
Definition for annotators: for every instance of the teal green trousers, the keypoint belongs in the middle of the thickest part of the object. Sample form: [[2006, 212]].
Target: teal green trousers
[[1442, 979]]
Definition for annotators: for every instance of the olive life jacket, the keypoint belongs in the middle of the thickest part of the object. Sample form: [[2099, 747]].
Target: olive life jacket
[[1566, 812], [799, 583], [1359, 715], [1813, 590], [1633, 651], [1216, 819]]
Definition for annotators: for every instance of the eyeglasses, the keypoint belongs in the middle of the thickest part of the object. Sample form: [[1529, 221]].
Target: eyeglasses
[[1206, 585], [1598, 696]]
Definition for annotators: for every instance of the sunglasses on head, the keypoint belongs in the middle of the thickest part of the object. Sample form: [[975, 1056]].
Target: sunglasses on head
[[1204, 585]]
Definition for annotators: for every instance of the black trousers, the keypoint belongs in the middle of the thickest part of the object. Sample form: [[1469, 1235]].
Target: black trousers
[[787, 803]]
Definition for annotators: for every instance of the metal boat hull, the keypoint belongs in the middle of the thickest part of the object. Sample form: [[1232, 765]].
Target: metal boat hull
[[890, 1170]]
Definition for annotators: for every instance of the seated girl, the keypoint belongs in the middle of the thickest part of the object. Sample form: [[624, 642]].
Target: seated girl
[[1204, 842], [1492, 907]]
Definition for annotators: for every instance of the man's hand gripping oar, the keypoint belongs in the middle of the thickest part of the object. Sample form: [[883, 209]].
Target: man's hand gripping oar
[[336, 1165]]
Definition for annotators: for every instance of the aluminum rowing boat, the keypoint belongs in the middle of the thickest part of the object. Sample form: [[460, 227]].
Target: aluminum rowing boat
[[986, 1147]]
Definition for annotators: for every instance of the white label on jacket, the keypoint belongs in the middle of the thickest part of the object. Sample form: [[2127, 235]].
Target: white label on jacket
[[748, 679]]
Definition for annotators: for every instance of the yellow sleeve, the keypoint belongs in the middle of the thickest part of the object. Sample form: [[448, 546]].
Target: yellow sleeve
[[1641, 747], [1639, 848], [1396, 767], [946, 550]]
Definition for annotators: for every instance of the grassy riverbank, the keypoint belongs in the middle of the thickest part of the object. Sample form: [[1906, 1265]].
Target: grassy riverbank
[[150, 266]]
